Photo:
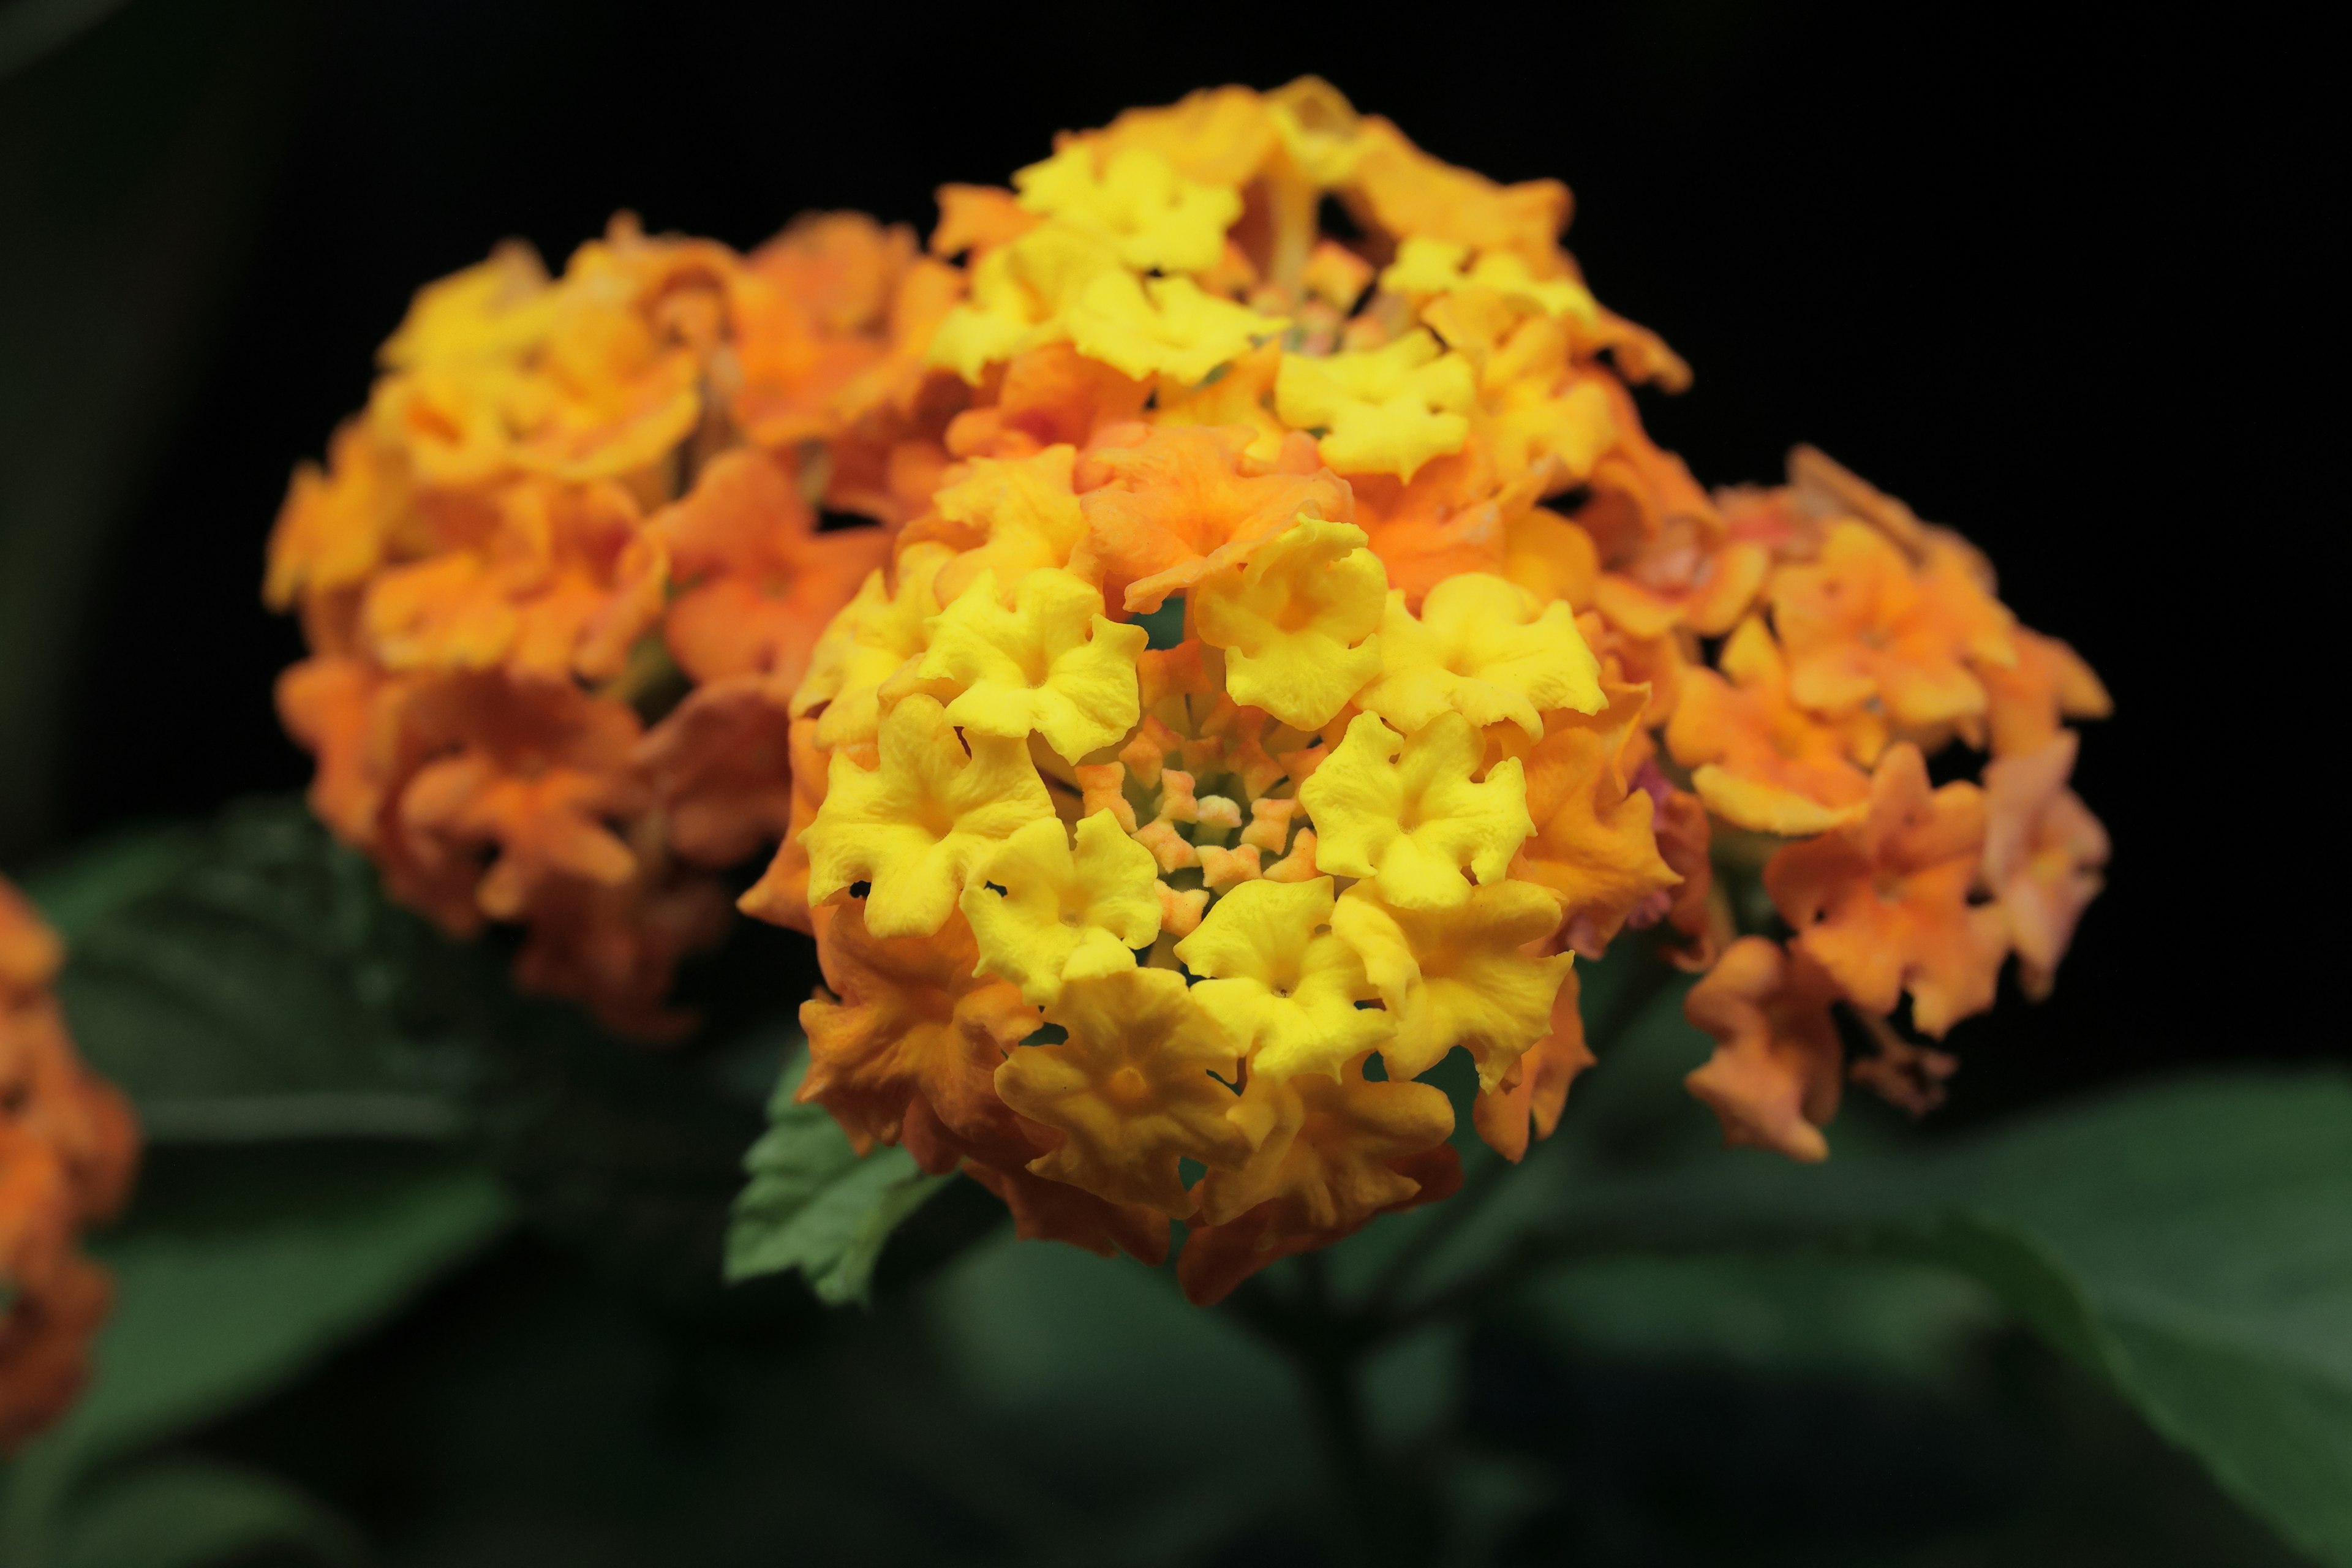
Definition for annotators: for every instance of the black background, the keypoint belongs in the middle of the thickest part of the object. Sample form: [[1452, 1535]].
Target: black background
[[2049, 279]]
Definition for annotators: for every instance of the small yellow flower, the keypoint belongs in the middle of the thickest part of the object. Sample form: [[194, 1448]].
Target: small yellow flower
[[1053, 663], [501, 309], [1152, 216], [1026, 508], [1407, 812], [1383, 411], [1483, 648], [1019, 292], [1325, 1147], [1459, 976], [919, 825], [1280, 983], [1163, 326], [1298, 621], [1425, 267], [1045, 915], [1132, 1090], [874, 635]]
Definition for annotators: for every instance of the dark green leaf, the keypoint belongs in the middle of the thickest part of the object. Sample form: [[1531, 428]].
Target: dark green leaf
[[247, 982], [2188, 1241], [228, 1287], [190, 1513], [1886, 1321], [812, 1205]]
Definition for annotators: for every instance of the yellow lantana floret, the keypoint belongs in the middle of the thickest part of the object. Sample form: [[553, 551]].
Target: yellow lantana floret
[[1045, 915], [1482, 647], [1150, 216], [1383, 411], [1025, 506], [1019, 292], [1324, 1147], [1408, 814], [1280, 983], [1054, 663], [921, 822], [1425, 267], [498, 309], [1459, 976], [1132, 1089], [1298, 621], [1162, 326], [874, 635]]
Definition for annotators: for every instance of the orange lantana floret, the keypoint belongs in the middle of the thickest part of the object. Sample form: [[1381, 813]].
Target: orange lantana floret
[[1760, 760], [907, 1017], [1865, 625], [2043, 856], [1167, 510], [536, 771], [68, 1148], [756, 580], [1776, 1072], [1883, 904]]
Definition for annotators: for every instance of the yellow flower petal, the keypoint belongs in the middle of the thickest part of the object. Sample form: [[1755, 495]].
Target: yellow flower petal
[[1024, 506], [1384, 411], [1280, 983], [874, 635], [1482, 647], [1043, 915], [1407, 812], [1324, 1147], [918, 825], [1459, 976], [1425, 267], [1053, 663], [1131, 1089], [1150, 216], [1019, 293], [1298, 621], [500, 309], [1156, 326]]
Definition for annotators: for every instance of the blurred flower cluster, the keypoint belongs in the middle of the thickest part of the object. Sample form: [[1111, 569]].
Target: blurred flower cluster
[[1275, 653], [561, 574], [68, 1146]]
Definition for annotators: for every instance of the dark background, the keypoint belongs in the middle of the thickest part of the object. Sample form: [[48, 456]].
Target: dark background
[[2047, 279]]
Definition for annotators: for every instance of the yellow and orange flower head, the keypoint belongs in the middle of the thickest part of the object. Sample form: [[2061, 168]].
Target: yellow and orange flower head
[[564, 572], [68, 1148], [1275, 659]]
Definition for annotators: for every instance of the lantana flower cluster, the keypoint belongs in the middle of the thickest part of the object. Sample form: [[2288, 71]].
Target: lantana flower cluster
[[1280, 654], [68, 1146], [562, 575]]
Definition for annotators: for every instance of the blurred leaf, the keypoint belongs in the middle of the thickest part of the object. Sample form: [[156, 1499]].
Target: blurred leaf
[[814, 1205], [1887, 1321], [189, 1512], [231, 1283], [105, 875], [1148, 1430], [2187, 1240], [247, 982]]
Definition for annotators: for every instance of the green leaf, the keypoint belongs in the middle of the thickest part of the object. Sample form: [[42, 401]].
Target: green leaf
[[1889, 1322], [188, 1513], [814, 1205], [245, 982], [2188, 1240], [230, 1282]]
